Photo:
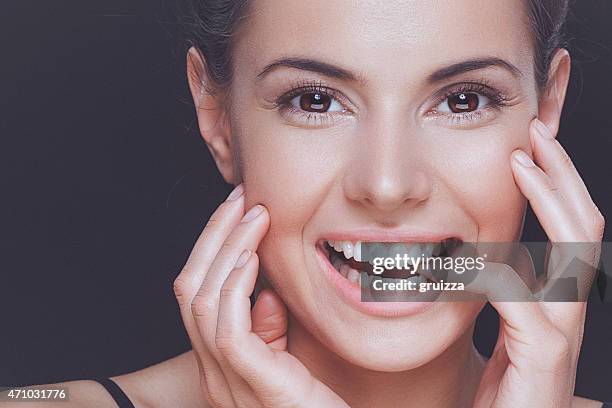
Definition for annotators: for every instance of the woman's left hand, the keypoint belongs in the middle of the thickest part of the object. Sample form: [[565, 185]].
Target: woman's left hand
[[534, 361]]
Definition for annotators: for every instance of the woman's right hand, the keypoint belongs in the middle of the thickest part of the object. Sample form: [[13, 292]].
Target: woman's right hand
[[241, 353]]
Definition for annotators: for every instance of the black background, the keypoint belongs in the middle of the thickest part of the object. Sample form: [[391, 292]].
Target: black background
[[105, 184]]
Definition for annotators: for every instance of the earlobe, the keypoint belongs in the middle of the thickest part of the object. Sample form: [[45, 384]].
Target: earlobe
[[213, 121], [553, 97]]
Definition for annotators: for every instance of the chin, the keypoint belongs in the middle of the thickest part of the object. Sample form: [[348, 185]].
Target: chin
[[399, 344]]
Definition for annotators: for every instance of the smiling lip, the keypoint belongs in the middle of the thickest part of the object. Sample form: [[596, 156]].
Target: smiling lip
[[351, 294], [368, 235]]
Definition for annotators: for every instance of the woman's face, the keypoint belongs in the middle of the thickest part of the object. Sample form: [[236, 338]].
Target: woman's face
[[379, 121]]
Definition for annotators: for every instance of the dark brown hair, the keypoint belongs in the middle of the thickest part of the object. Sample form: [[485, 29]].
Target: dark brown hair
[[547, 20], [212, 25]]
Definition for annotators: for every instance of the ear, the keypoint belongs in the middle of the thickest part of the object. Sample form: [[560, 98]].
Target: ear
[[213, 121], [553, 97]]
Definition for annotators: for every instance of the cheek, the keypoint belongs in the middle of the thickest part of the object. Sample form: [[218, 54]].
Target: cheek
[[285, 168], [287, 171], [279, 172], [479, 176]]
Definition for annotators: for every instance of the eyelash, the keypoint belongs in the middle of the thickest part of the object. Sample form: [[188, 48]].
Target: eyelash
[[497, 101], [283, 103]]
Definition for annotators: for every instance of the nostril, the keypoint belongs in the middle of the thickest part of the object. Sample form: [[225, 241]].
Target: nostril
[[388, 192]]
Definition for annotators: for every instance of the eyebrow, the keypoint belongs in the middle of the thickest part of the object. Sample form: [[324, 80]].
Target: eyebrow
[[473, 65], [333, 71], [306, 64]]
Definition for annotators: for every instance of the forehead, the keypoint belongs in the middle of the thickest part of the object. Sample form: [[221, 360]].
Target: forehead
[[385, 38]]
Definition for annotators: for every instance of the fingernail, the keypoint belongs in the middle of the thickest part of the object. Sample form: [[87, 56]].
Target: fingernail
[[236, 193], [253, 212], [243, 258], [542, 130], [523, 158]]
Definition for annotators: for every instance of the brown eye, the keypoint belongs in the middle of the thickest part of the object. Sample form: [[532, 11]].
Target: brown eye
[[315, 102], [463, 102]]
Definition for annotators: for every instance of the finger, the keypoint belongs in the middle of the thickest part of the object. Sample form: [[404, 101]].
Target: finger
[[236, 387], [266, 370], [214, 384], [514, 254], [545, 197], [560, 224], [540, 361], [497, 281], [523, 264], [570, 274], [512, 298], [539, 352], [244, 350], [556, 163], [204, 307], [558, 166], [189, 280], [537, 362], [245, 236], [269, 317], [215, 232], [570, 271]]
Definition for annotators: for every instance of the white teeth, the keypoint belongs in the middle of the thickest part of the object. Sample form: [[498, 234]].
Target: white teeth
[[397, 249], [357, 252], [414, 250], [427, 249], [347, 248], [353, 276], [338, 246], [349, 273], [353, 249]]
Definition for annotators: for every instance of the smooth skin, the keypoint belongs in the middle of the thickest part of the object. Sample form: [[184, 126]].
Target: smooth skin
[[301, 345], [533, 362], [241, 353]]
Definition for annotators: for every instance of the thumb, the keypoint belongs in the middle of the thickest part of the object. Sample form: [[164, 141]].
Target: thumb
[[269, 317]]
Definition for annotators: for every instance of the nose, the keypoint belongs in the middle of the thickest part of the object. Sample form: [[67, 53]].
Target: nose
[[389, 170]]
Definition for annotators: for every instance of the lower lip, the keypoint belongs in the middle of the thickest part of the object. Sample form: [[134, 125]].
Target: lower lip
[[351, 294]]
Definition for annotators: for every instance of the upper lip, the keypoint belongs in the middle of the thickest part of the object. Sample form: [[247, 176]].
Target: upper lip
[[378, 235]]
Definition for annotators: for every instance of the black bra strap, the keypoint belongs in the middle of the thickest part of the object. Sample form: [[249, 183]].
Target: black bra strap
[[116, 392]]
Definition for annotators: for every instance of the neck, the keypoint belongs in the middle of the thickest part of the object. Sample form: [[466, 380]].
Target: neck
[[450, 380]]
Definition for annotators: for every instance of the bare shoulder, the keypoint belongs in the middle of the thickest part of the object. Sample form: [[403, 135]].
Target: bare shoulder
[[580, 402], [171, 383]]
